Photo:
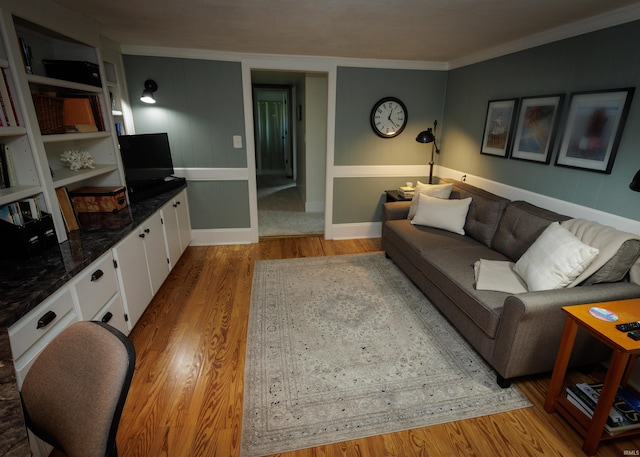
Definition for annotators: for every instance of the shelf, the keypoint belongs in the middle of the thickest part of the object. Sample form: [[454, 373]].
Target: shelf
[[58, 138], [15, 193], [61, 83], [12, 131], [64, 176]]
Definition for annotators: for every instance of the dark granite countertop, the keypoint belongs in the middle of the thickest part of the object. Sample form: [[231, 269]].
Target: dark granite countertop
[[29, 282]]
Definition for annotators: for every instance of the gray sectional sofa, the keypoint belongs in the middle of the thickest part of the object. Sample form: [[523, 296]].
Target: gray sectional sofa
[[517, 334]]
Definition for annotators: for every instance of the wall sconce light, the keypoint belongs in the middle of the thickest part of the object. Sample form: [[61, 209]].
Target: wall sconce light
[[150, 86], [635, 183], [429, 136]]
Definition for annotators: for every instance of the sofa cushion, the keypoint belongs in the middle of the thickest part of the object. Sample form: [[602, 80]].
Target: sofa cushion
[[433, 190], [555, 259], [441, 213], [618, 250], [485, 211], [522, 224], [451, 270], [618, 266]]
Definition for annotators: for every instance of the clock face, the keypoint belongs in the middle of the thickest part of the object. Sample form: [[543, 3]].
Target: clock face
[[389, 117]]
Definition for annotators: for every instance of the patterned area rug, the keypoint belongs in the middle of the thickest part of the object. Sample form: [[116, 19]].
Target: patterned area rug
[[347, 347]]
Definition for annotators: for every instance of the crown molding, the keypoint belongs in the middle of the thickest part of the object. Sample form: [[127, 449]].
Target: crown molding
[[275, 60], [603, 21]]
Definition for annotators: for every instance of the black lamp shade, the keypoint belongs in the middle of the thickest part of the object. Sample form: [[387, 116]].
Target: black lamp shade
[[635, 183], [425, 136]]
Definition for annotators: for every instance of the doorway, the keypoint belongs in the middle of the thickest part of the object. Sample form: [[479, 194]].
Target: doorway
[[279, 132]]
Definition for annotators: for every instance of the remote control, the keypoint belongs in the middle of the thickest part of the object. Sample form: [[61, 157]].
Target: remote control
[[628, 326], [635, 335]]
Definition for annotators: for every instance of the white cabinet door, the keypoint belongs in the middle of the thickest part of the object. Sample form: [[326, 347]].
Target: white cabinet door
[[171, 234], [184, 223], [155, 251], [133, 275]]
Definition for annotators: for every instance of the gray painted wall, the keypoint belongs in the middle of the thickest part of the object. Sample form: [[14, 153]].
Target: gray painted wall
[[358, 89], [601, 60], [200, 106]]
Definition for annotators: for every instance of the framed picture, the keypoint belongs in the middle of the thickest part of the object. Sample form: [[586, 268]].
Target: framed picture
[[498, 127], [593, 129], [536, 126]]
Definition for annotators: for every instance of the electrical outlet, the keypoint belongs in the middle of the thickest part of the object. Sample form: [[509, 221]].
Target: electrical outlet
[[237, 141]]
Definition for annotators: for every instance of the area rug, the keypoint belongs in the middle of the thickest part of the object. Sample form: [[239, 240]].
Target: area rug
[[346, 347]]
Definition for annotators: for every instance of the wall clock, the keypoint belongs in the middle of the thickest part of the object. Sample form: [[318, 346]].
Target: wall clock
[[389, 117]]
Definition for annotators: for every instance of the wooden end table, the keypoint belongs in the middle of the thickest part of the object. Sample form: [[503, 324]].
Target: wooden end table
[[625, 351], [393, 196]]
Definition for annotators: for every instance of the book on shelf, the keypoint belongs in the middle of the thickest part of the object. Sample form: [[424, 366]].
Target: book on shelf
[[8, 113], [623, 415], [7, 168], [27, 56], [12, 213], [11, 87], [69, 217]]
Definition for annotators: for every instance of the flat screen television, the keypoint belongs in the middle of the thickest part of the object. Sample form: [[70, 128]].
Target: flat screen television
[[146, 157]]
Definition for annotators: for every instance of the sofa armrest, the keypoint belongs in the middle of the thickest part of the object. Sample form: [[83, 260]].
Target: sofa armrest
[[532, 324], [395, 210]]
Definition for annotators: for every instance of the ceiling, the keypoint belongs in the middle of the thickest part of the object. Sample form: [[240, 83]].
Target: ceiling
[[412, 30]]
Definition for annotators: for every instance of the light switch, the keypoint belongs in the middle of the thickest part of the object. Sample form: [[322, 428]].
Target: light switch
[[237, 141]]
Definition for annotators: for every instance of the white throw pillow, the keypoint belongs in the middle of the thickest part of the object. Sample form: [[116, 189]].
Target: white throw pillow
[[555, 259], [442, 213], [434, 190]]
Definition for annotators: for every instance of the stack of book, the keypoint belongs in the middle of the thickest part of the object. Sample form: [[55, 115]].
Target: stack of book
[[406, 192], [625, 411]]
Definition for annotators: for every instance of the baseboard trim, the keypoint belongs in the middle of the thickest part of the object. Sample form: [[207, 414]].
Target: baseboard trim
[[212, 237], [356, 230]]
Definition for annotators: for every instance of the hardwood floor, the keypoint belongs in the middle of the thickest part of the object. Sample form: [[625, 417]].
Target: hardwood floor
[[186, 395]]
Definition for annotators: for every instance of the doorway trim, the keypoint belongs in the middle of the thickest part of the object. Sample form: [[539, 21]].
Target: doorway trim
[[283, 63]]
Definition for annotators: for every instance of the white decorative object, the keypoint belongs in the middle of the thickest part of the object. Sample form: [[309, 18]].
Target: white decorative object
[[76, 160]]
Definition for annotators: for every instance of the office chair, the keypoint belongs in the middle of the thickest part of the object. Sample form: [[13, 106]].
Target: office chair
[[74, 393]]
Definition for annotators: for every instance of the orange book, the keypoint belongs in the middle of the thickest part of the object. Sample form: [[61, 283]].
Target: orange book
[[77, 111]]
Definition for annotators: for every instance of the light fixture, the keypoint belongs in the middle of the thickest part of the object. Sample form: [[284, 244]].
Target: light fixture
[[150, 86], [429, 136], [635, 183]]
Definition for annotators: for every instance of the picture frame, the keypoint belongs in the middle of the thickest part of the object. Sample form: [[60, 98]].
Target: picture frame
[[593, 129], [536, 127], [498, 127]]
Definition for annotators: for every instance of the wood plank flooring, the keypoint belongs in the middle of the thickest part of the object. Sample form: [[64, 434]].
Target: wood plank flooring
[[186, 395]]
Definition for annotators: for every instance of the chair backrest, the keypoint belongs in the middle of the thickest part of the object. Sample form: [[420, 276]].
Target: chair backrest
[[74, 393]]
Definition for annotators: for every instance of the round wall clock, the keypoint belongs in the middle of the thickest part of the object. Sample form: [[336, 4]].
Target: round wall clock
[[389, 117]]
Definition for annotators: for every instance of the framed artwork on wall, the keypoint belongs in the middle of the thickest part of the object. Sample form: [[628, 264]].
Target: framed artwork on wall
[[593, 129], [498, 127], [536, 127]]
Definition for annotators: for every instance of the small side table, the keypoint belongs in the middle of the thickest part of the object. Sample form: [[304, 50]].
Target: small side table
[[393, 196], [625, 351]]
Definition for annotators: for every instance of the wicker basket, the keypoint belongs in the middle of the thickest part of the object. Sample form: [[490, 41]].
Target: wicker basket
[[49, 111]]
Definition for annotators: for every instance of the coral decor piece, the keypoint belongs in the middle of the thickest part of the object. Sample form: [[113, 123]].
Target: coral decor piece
[[76, 160]]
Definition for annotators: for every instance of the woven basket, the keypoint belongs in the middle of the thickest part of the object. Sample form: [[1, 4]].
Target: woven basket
[[49, 111]]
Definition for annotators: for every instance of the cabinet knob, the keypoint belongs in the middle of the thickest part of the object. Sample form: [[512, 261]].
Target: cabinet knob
[[107, 317], [97, 275], [146, 230], [175, 205], [178, 202], [141, 235], [45, 320]]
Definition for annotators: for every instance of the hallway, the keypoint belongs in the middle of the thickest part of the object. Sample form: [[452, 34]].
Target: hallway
[[281, 209]]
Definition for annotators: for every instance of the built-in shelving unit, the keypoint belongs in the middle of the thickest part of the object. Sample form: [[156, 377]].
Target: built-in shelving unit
[[41, 97]]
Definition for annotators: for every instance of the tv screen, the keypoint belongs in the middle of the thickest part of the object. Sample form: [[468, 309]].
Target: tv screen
[[146, 157]]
